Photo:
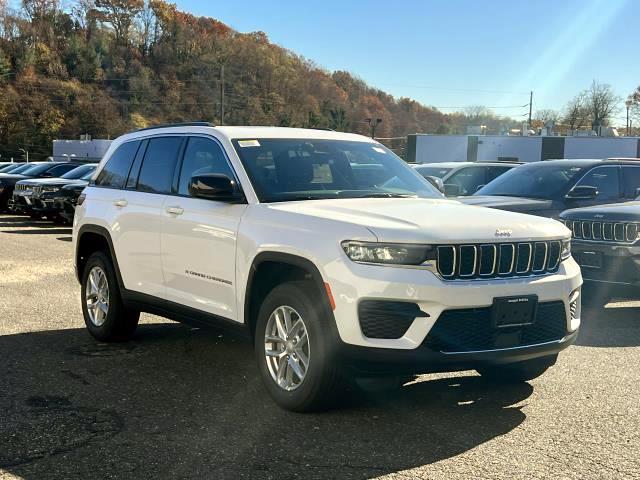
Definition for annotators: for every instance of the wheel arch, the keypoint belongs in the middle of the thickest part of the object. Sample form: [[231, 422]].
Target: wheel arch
[[92, 238], [271, 268]]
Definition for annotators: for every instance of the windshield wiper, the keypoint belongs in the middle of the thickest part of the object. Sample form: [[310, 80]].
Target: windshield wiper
[[293, 198], [387, 195]]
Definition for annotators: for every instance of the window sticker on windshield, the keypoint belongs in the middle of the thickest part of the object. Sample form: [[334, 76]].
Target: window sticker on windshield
[[378, 149], [248, 143]]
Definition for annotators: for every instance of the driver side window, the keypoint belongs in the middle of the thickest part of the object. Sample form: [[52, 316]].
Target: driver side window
[[202, 156], [605, 179]]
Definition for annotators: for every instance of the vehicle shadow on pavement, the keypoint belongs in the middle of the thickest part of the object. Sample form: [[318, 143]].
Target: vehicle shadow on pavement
[[613, 326], [181, 402], [40, 231]]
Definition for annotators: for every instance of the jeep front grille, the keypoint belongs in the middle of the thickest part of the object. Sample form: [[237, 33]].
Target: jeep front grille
[[597, 231], [479, 261]]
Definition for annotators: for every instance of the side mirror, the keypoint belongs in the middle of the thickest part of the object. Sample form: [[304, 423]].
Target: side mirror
[[452, 190], [436, 182], [479, 187], [584, 192], [214, 186], [47, 175]]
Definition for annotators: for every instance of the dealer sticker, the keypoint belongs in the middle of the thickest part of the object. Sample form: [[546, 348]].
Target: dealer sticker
[[248, 143]]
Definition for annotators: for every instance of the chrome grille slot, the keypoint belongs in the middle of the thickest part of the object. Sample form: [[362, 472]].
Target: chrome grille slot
[[488, 258], [468, 259], [539, 256], [507, 259], [586, 230], [596, 231], [618, 232], [577, 230], [482, 261], [607, 231], [632, 232]]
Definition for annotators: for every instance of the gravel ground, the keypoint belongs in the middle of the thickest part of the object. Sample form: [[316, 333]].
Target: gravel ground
[[178, 402]]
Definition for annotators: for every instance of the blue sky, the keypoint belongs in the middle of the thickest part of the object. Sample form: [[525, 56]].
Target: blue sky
[[458, 52]]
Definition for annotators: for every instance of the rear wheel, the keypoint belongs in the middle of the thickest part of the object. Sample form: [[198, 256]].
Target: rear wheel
[[105, 316], [518, 372], [294, 350]]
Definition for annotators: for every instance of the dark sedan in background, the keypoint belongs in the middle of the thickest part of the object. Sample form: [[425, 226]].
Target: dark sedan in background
[[548, 188], [463, 178], [606, 245]]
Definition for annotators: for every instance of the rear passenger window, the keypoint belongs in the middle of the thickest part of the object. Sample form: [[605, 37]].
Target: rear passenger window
[[114, 174], [60, 170], [631, 176], [605, 179], [158, 166], [202, 156]]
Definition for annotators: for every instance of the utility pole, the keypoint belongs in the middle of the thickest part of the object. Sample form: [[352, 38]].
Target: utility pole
[[628, 104], [530, 106], [373, 123], [222, 95]]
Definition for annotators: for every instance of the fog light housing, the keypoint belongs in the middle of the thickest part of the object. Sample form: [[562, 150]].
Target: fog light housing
[[575, 309]]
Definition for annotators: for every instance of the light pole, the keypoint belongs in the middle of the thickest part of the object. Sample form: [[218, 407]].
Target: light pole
[[373, 123], [26, 153]]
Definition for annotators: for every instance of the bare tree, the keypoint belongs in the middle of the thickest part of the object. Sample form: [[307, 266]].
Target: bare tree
[[602, 103], [38, 10], [80, 11], [477, 111], [576, 112], [547, 115]]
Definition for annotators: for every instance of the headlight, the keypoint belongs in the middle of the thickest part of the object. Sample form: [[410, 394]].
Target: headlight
[[387, 253], [566, 249]]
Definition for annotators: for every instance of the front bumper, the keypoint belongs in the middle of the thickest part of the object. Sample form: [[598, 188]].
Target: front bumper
[[352, 283], [21, 202], [421, 360], [610, 266]]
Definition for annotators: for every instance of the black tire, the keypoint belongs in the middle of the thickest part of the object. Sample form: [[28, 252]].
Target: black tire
[[120, 322], [518, 372], [322, 381]]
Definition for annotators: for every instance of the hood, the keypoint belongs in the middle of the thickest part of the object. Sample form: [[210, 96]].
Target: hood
[[420, 220], [629, 211], [9, 179], [53, 181], [513, 204], [77, 185]]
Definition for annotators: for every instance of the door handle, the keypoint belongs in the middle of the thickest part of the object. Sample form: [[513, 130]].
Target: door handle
[[175, 210], [121, 203]]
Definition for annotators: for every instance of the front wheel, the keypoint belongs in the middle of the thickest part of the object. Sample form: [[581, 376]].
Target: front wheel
[[105, 316], [518, 372], [294, 349]]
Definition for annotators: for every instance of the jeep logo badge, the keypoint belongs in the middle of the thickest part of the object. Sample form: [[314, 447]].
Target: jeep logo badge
[[503, 232]]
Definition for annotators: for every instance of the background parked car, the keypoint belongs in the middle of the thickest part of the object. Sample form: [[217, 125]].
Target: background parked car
[[40, 170], [464, 178], [548, 188], [13, 166], [606, 245], [66, 199], [45, 190]]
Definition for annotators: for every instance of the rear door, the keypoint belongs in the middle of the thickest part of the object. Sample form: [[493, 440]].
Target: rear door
[[199, 236], [141, 210]]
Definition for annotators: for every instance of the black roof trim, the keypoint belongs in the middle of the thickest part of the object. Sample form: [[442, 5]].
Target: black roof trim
[[182, 124]]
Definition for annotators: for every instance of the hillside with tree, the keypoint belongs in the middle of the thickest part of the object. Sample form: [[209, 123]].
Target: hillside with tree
[[104, 67]]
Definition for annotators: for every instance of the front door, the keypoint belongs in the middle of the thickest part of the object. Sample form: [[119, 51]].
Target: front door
[[199, 237]]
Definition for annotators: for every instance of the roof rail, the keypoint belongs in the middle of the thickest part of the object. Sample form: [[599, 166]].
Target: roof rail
[[181, 124]]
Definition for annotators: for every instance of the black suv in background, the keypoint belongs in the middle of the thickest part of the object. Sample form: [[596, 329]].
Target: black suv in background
[[606, 245], [548, 188], [45, 190], [463, 178], [36, 170]]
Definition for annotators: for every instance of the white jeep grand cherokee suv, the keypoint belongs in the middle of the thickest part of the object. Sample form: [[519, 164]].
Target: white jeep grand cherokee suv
[[328, 249]]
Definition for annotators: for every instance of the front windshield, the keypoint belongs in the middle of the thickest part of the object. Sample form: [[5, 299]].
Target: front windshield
[[79, 172], [8, 168], [306, 169], [537, 180], [37, 169], [439, 172]]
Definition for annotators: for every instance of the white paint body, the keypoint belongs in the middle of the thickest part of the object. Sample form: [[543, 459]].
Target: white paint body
[[155, 248]]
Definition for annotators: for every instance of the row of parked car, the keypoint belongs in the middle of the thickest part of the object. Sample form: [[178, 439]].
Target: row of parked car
[[598, 200], [43, 189]]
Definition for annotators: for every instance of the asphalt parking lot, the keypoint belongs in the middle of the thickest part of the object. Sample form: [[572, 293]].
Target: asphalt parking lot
[[178, 402]]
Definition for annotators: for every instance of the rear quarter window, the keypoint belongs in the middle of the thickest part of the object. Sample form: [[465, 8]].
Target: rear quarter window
[[115, 172]]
